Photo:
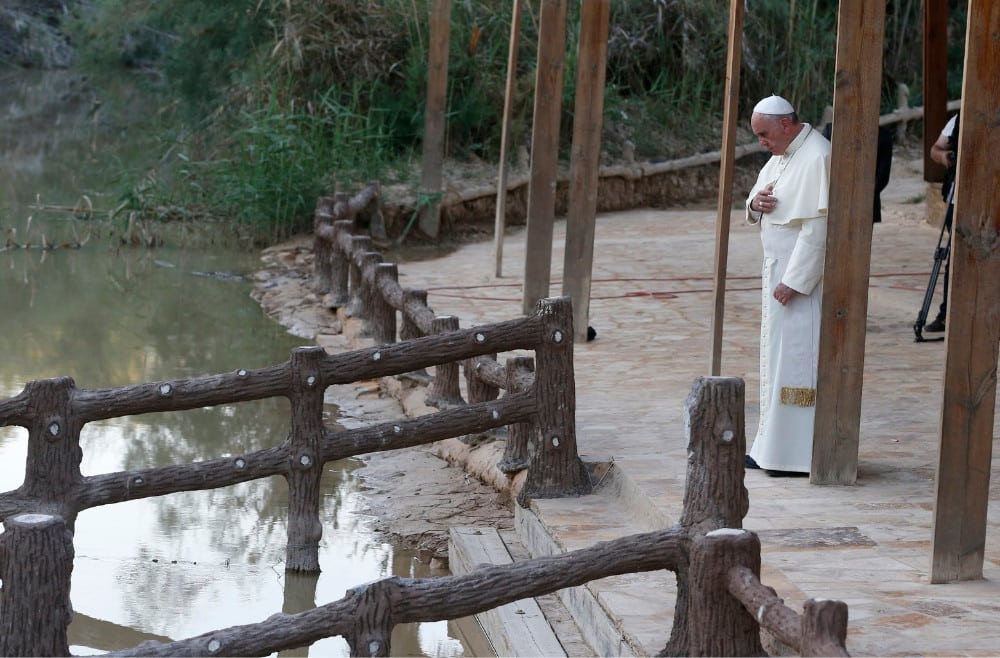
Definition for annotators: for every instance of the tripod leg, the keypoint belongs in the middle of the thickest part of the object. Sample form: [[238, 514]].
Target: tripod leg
[[940, 256]]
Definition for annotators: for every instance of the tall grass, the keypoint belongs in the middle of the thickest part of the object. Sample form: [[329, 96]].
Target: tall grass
[[307, 96]]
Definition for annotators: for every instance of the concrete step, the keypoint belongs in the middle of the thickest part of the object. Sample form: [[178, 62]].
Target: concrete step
[[530, 627], [628, 615]]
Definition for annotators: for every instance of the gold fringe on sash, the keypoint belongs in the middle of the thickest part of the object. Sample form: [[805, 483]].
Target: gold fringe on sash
[[798, 396]]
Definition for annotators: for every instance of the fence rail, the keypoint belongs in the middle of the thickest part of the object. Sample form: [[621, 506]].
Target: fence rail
[[357, 280], [720, 607]]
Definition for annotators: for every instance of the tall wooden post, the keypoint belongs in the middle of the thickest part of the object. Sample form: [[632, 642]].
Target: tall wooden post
[[544, 152], [727, 167], [935, 81], [434, 123], [856, 98], [585, 160], [970, 369], [508, 103]]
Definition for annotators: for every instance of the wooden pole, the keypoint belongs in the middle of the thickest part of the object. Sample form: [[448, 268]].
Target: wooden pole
[[935, 81], [856, 99], [508, 102], [585, 160], [727, 167], [970, 369], [544, 151], [434, 117]]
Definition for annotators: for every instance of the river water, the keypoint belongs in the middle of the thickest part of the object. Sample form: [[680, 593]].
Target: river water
[[109, 315]]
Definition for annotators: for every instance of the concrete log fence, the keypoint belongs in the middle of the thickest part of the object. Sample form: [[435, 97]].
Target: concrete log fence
[[721, 605], [368, 288], [54, 412]]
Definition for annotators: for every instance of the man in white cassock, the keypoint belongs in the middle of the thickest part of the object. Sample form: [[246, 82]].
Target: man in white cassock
[[789, 201]]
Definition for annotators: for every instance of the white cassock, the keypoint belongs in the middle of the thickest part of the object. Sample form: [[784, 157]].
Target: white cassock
[[794, 241]]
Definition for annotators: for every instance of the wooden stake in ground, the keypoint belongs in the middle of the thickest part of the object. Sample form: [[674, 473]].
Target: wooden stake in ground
[[508, 101], [856, 98], [585, 160], [727, 166], [973, 329], [544, 152], [434, 118]]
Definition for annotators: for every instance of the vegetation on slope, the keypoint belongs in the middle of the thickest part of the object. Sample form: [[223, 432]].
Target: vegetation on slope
[[276, 102]]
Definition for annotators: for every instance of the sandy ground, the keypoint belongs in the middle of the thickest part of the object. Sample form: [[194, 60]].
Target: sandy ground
[[415, 494]]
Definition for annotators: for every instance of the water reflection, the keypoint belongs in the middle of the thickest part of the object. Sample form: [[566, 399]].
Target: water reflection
[[183, 564], [179, 565]]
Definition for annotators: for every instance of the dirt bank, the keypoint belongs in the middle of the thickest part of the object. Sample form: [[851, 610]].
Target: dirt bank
[[415, 494]]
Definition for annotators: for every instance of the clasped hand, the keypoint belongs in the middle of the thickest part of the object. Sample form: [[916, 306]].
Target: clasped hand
[[764, 200]]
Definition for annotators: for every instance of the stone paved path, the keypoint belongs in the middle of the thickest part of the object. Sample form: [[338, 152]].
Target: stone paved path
[[868, 544]]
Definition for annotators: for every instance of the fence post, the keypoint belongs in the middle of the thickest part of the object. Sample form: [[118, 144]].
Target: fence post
[[555, 468], [719, 624], [409, 330], [369, 294], [445, 391], [52, 466], [714, 494], [339, 265], [383, 313], [515, 454], [322, 249], [305, 468], [824, 628], [478, 390], [360, 244], [36, 567]]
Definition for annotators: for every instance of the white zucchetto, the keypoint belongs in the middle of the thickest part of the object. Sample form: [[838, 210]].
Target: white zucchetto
[[773, 105]]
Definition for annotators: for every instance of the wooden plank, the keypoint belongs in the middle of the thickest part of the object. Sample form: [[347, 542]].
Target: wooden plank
[[856, 98], [514, 629], [727, 166], [935, 81], [544, 151], [970, 371], [585, 160], [500, 221], [434, 117]]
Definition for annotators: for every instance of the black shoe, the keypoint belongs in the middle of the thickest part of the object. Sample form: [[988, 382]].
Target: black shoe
[[787, 474], [936, 326], [748, 462]]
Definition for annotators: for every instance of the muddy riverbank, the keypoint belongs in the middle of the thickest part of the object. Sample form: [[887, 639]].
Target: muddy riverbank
[[413, 495]]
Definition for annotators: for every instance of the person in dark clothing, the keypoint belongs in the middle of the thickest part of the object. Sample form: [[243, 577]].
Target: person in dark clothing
[[883, 165]]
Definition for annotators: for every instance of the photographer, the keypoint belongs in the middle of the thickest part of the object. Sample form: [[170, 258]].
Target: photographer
[[945, 152]]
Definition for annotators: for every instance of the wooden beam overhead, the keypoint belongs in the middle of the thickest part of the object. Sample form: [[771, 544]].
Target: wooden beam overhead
[[856, 100], [973, 326]]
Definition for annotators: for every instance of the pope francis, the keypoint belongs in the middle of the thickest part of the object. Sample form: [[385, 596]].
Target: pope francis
[[789, 201]]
